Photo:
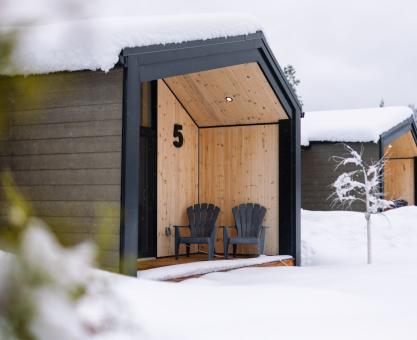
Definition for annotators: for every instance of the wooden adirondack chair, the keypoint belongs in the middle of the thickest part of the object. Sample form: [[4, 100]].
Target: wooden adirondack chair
[[202, 224], [248, 219]]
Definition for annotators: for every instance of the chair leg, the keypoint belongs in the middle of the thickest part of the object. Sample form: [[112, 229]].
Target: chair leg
[[177, 247], [187, 249], [261, 245], [234, 250], [225, 242], [226, 248], [210, 250]]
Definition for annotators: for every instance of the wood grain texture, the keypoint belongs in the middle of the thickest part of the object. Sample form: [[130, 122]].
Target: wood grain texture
[[399, 179], [203, 95], [177, 168], [240, 165], [402, 147]]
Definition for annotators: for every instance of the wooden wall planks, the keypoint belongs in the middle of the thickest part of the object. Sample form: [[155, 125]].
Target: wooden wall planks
[[64, 150], [402, 147], [177, 168], [204, 94], [399, 179], [240, 165]]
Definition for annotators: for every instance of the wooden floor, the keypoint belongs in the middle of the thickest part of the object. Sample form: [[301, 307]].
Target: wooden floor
[[169, 261]]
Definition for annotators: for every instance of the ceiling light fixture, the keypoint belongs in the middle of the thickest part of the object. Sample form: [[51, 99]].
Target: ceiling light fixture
[[229, 99]]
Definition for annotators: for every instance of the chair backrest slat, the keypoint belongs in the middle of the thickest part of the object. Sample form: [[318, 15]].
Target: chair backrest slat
[[248, 219], [202, 219]]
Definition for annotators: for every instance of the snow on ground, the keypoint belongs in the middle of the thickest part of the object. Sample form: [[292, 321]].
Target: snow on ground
[[360, 125], [339, 237], [337, 296], [96, 43]]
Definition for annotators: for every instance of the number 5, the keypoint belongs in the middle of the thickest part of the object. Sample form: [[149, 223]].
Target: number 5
[[178, 134]]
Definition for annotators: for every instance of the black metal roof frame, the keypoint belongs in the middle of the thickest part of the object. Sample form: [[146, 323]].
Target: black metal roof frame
[[159, 61], [398, 130]]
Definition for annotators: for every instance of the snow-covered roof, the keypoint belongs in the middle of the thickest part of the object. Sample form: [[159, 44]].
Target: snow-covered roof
[[95, 44], [359, 125]]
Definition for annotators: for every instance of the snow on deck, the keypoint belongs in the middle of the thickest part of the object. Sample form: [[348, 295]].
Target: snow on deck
[[360, 125], [205, 267], [95, 44]]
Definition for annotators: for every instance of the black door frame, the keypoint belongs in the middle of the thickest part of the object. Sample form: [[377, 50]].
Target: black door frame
[[159, 61], [150, 132]]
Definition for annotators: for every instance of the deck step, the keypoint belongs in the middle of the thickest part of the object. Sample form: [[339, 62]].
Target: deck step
[[184, 271]]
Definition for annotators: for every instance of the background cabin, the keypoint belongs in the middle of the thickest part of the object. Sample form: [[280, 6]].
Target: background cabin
[[389, 131], [118, 157]]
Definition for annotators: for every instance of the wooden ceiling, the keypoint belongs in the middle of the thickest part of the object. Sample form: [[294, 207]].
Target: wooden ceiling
[[402, 147], [203, 95]]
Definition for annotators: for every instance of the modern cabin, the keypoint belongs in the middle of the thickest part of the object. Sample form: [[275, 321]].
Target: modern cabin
[[118, 156], [378, 132]]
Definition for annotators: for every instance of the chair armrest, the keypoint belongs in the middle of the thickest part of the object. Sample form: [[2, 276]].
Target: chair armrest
[[177, 229], [262, 229], [225, 230]]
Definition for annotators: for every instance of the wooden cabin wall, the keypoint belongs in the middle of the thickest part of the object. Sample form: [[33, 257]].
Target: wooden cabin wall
[[177, 169], [64, 152], [239, 165], [399, 179], [318, 173]]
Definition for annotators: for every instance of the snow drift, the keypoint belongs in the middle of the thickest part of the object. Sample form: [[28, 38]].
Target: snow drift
[[95, 44]]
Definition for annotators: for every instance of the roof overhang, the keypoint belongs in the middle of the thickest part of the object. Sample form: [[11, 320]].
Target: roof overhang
[[399, 131], [163, 61]]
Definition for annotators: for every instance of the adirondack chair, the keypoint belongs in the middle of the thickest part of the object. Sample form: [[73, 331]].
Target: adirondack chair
[[248, 218], [202, 225]]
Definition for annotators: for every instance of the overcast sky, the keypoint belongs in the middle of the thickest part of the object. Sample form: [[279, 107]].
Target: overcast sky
[[348, 54]]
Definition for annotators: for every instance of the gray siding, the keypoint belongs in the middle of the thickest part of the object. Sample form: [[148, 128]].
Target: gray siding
[[64, 150], [318, 173]]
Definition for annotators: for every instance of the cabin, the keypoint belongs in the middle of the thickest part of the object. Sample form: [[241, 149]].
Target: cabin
[[117, 153], [378, 132]]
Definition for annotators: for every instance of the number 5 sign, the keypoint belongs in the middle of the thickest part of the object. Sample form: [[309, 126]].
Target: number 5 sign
[[178, 134]]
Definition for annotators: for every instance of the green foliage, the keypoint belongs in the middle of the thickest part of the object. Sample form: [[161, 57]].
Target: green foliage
[[290, 74]]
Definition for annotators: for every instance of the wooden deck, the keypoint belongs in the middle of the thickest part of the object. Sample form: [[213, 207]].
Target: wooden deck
[[153, 263]]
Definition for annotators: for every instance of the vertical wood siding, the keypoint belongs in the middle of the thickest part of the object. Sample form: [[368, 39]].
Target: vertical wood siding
[[240, 165], [64, 151], [318, 173], [177, 169]]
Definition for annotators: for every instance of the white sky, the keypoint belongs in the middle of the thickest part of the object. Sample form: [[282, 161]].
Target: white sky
[[348, 54]]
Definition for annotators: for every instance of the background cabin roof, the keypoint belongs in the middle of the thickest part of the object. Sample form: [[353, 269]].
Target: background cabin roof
[[359, 125], [95, 44]]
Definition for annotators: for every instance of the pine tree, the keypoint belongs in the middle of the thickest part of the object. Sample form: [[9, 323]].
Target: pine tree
[[290, 74], [382, 103]]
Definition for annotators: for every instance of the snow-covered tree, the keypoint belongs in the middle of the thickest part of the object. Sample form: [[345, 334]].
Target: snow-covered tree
[[363, 184]]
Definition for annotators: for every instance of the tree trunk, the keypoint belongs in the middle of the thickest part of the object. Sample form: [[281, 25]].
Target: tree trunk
[[368, 236]]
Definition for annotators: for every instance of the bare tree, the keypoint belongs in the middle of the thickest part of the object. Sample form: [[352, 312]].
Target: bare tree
[[363, 184]]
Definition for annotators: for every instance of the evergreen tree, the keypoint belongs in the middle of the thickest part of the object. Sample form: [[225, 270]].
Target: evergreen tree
[[414, 108], [290, 74], [382, 103]]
